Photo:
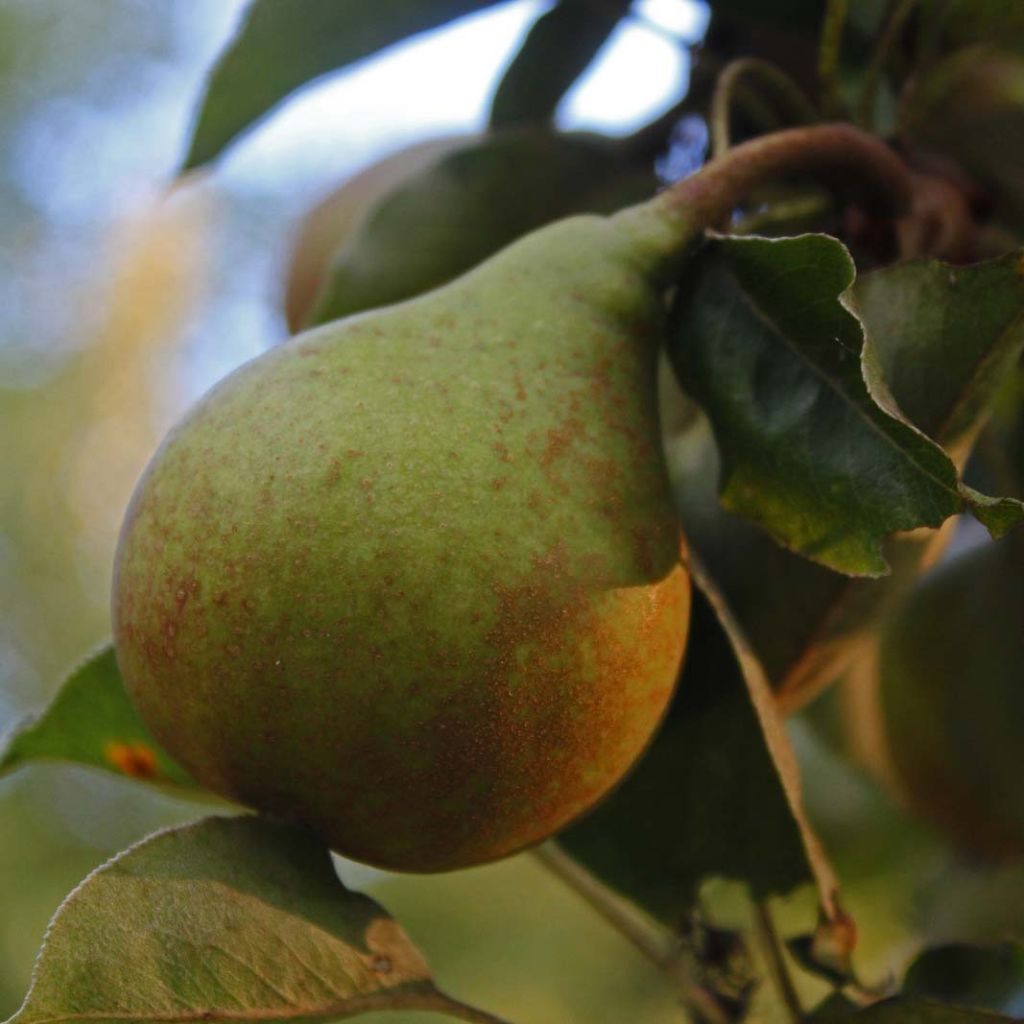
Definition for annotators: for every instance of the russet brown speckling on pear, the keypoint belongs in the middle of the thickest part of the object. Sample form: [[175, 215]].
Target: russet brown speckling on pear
[[414, 578]]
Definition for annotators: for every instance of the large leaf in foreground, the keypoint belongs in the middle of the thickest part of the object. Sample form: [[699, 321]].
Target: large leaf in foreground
[[92, 722], [283, 44], [237, 919], [813, 448]]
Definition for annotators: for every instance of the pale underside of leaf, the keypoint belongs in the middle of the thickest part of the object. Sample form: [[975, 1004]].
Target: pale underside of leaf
[[231, 919]]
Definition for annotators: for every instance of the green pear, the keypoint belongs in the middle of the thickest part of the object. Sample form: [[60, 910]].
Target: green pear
[[340, 213], [415, 578], [952, 700], [460, 207]]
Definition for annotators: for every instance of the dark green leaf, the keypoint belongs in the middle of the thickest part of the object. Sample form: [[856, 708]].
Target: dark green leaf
[[900, 1011], [229, 919], [92, 722], [283, 44], [558, 49], [466, 207], [705, 800], [945, 337], [963, 317], [764, 343], [984, 977]]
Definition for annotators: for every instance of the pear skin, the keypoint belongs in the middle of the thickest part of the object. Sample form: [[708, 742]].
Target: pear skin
[[414, 579]]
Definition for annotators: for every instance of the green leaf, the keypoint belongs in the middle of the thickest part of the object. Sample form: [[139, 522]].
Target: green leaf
[[705, 800], [984, 977], [945, 337], [92, 722], [283, 44], [238, 919], [966, 319], [899, 1010], [763, 342], [557, 50], [466, 207]]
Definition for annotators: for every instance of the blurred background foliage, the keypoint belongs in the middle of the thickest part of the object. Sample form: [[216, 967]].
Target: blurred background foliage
[[121, 300]]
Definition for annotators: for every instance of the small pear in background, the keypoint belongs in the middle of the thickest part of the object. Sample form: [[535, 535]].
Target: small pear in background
[[338, 214], [422, 217], [951, 694]]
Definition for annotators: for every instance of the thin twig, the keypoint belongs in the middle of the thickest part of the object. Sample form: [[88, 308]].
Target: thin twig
[[777, 969], [876, 68], [789, 105], [655, 942], [658, 944], [837, 153], [467, 1013], [829, 50]]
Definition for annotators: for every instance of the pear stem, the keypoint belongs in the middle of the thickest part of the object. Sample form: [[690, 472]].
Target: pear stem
[[658, 944], [838, 154]]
